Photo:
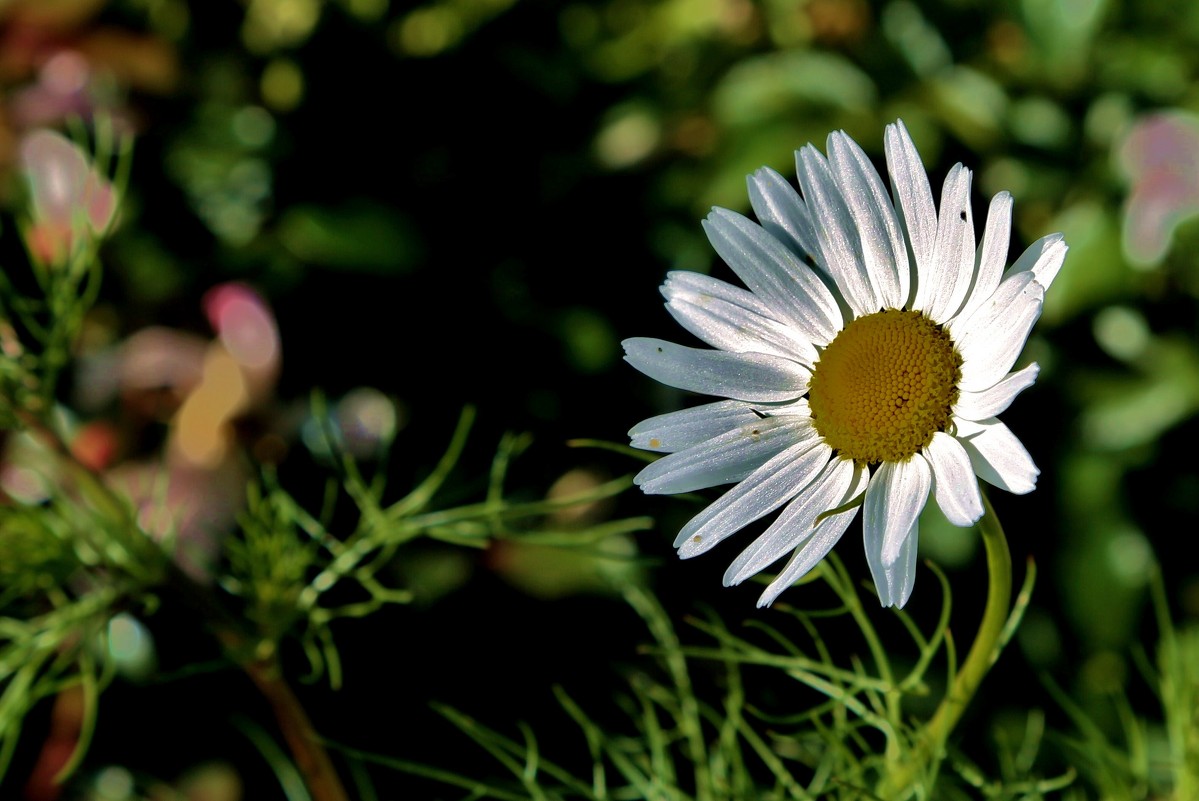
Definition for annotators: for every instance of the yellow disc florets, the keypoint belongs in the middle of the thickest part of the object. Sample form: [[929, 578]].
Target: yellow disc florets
[[884, 386]]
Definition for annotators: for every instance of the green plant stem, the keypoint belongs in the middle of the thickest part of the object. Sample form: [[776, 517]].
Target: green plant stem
[[312, 760], [260, 663], [929, 749]]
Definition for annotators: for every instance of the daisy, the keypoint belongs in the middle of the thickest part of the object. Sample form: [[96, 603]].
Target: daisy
[[865, 365]]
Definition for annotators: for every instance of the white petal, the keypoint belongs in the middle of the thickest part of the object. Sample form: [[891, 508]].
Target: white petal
[[825, 535], [794, 293], [675, 431], [724, 459], [796, 524], [685, 283], [954, 484], [894, 499], [992, 401], [840, 245], [895, 582], [782, 212], [997, 455], [730, 318], [736, 330], [991, 338], [766, 489], [1043, 259], [883, 247], [941, 296], [913, 196], [992, 253], [741, 376], [692, 285]]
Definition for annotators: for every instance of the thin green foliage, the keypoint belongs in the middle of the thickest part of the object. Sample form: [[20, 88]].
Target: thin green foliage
[[1178, 689], [288, 561], [1143, 757], [1017, 779], [65, 574], [697, 726], [291, 782], [46, 652]]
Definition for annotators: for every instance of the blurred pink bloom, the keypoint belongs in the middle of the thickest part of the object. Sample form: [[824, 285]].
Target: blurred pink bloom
[[1160, 156], [151, 371], [62, 90], [245, 327], [70, 202], [160, 358], [191, 492], [188, 507], [206, 476]]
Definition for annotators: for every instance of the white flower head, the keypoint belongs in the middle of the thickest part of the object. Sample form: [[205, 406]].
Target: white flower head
[[864, 366]]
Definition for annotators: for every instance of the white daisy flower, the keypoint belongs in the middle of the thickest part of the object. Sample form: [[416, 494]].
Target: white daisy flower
[[864, 366]]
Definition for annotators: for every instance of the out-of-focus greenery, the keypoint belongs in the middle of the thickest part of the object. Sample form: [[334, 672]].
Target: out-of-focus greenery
[[466, 201]]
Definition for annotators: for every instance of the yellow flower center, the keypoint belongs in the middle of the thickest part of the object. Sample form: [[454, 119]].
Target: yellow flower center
[[884, 386]]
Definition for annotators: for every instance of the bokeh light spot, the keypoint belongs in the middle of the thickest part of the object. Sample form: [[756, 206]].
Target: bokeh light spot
[[114, 783], [130, 645], [169, 17], [253, 126], [368, 420], [1122, 332], [367, 10], [579, 25], [244, 325], [273, 24], [1130, 558], [591, 344], [427, 31], [65, 73], [282, 84], [630, 137]]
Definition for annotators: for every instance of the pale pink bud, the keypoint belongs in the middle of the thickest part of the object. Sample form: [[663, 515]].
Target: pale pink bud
[[69, 200]]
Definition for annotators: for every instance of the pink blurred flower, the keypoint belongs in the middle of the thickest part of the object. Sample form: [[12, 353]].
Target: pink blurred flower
[[71, 203], [245, 327], [190, 493], [61, 91], [188, 507], [1160, 156]]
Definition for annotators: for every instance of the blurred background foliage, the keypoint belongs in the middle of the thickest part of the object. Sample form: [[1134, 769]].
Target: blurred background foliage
[[472, 201]]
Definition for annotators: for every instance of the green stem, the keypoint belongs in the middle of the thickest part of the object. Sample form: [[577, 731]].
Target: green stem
[[929, 748], [307, 749], [260, 661]]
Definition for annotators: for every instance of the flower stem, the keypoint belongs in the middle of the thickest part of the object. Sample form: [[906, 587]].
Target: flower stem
[[259, 660], [312, 760], [929, 748]]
